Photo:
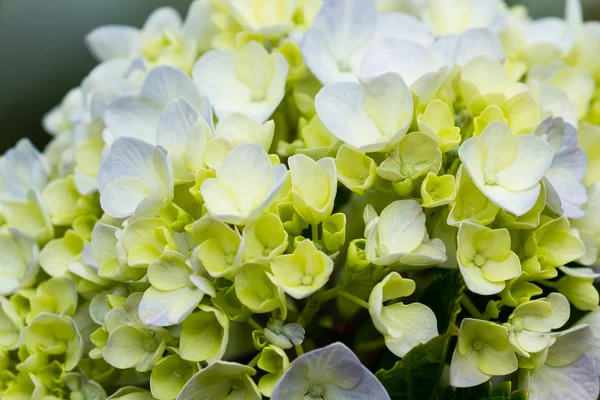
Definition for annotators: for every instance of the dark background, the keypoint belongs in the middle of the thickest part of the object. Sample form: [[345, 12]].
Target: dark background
[[42, 53]]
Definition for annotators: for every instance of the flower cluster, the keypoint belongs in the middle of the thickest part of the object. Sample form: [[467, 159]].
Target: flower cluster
[[228, 198]]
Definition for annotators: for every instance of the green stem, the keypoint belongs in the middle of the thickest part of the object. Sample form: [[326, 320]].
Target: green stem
[[315, 232], [254, 324], [371, 345], [254, 361], [354, 299], [470, 307], [299, 350]]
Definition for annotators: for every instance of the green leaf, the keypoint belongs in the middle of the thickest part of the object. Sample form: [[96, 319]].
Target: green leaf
[[443, 297], [416, 376], [484, 391]]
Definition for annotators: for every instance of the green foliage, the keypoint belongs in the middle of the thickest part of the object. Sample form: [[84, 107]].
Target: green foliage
[[416, 376], [443, 297], [485, 391]]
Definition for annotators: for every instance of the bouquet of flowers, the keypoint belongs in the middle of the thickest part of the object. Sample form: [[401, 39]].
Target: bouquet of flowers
[[307, 199]]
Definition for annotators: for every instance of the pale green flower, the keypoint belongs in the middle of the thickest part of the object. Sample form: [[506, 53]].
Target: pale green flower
[[355, 170], [283, 335], [334, 232], [483, 350], [135, 346], [264, 239], [56, 256], [485, 258], [250, 81], [314, 186], [470, 204], [274, 361], [176, 290], [578, 286], [65, 203], [402, 325], [398, 236], [507, 168], [437, 190], [220, 250], [19, 261], [531, 322], [373, 115], [10, 325], [415, 156], [246, 182], [220, 380], [554, 241], [204, 335], [55, 296], [303, 272], [170, 375], [256, 289], [437, 121], [30, 217], [53, 336]]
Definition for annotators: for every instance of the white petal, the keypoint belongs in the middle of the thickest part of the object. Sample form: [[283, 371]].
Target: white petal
[[464, 369], [402, 226], [121, 197], [175, 122], [517, 203], [410, 60], [164, 18], [133, 117], [113, 41], [402, 26], [534, 157], [578, 381], [159, 308], [478, 42], [166, 83]]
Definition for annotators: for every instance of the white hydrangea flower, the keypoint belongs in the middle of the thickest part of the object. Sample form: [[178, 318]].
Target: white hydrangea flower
[[403, 325], [333, 48], [164, 38], [565, 191], [330, 373], [245, 184], [22, 168], [457, 16], [399, 236], [507, 168], [264, 18], [372, 115], [60, 119], [250, 81], [18, 261], [135, 177]]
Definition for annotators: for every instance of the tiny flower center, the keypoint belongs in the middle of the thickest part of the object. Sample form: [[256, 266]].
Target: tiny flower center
[[382, 250], [478, 344], [307, 280], [407, 170], [150, 345], [316, 390], [344, 66], [229, 259], [479, 260], [490, 178], [257, 94], [517, 323]]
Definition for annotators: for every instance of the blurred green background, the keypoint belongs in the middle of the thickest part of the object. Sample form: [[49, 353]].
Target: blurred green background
[[42, 53]]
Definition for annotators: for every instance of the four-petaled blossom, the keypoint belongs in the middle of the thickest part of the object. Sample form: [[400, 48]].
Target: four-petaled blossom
[[485, 258], [331, 372], [371, 115], [507, 168], [402, 325], [483, 350], [136, 177], [250, 82], [245, 184]]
